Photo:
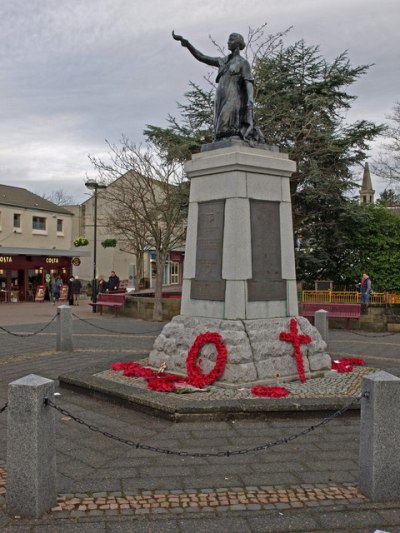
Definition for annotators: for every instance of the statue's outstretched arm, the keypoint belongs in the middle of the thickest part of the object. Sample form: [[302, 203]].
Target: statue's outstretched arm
[[213, 61]]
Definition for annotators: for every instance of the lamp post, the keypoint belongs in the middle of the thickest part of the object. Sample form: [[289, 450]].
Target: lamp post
[[94, 186]]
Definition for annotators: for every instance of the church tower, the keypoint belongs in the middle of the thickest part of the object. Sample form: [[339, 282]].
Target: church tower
[[366, 191]]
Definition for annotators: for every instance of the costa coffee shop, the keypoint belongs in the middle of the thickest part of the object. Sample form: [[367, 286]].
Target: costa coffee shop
[[36, 238], [22, 271]]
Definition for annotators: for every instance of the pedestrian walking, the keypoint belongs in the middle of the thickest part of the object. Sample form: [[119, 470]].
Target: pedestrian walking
[[56, 288], [76, 290]]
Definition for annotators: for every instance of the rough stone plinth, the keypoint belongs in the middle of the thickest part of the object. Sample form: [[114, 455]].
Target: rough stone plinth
[[255, 352], [379, 459], [31, 450]]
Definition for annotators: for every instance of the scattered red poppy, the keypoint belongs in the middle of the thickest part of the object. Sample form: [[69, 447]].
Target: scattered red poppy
[[269, 392], [345, 364]]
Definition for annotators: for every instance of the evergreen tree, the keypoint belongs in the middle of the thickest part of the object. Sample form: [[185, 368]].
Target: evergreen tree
[[389, 198]]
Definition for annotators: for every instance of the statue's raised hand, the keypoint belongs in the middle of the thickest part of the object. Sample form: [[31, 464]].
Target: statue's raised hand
[[184, 42]]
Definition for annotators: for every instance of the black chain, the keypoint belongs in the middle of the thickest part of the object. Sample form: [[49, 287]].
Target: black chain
[[29, 334], [4, 408], [112, 331], [227, 453]]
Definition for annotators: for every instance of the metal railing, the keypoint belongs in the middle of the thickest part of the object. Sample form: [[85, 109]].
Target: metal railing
[[349, 297]]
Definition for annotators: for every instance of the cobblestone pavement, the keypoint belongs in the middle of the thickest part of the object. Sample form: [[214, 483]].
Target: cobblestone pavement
[[307, 485]]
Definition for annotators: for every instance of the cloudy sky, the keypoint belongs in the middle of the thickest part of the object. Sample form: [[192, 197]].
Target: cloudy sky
[[74, 73]]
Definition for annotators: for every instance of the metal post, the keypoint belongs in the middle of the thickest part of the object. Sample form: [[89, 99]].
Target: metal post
[[94, 287], [93, 185]]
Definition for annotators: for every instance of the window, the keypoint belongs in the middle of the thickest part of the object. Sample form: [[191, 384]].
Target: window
[[17, 220], [60, 225], [39, 223], [174, 273]]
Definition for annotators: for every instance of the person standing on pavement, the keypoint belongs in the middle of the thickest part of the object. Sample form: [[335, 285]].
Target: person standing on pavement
[[71, 290], [101, 284], [365, 288], [113, 282], [56, 288], [76, 289]]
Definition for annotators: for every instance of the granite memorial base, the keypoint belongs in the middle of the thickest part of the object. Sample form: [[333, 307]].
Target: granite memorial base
[[255, 352]]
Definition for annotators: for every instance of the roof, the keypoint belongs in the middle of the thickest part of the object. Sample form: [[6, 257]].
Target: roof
[[18, 197]]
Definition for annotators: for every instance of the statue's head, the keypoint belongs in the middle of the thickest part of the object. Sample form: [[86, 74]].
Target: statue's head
[[236, 40]]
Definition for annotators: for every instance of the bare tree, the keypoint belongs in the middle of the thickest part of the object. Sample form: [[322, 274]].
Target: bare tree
[[59, 197], [143, 204], [387, 165]]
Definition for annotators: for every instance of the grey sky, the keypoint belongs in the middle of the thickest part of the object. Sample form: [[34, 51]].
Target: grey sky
[[74, 73]]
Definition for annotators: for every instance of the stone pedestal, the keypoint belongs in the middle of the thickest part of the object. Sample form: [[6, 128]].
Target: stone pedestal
[[239, 273], [239, 260]]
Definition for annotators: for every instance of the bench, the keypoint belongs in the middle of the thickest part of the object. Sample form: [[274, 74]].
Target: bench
[[346, 311], [109, 299]]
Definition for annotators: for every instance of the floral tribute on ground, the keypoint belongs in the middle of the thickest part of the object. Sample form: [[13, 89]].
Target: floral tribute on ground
[[269, 392], [345, 364], [166, 382], [296, 340]]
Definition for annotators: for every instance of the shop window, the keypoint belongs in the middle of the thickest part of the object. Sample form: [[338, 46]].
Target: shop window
[[17, 221], [39, 223], [60, 225]]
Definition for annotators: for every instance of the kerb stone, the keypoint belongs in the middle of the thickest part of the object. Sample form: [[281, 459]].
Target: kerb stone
[[31, 450]]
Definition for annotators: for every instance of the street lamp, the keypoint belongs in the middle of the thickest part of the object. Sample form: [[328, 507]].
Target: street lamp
[[94, 186]]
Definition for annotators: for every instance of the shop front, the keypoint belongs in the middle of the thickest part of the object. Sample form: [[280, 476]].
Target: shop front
[[22, 274]]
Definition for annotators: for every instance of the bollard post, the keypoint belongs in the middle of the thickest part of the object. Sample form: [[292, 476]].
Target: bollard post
[[379, 458], [31, 450], [321, 323], [64, 329]]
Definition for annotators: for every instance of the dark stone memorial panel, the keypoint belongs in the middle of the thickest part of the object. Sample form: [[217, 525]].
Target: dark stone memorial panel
[[266, 282], [208, 284]]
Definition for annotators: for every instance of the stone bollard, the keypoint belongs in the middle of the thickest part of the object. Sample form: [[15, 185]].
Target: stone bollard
[[64, 329], [379, 460], [322, 324], [31, 450]]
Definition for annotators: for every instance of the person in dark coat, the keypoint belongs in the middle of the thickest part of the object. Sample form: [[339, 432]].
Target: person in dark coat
[[71, 290], [101, 284], [113, 282], [76, 290]]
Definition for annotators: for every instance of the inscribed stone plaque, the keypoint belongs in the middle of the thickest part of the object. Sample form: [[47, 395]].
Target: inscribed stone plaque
[[266, 282], [208, 284]]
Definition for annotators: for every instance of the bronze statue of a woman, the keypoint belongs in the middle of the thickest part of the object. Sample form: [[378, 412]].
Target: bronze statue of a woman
[[234, 101]]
